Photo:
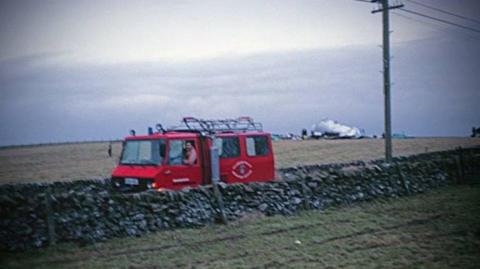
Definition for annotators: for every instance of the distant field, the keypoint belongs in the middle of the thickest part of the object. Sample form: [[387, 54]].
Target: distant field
[[289, 153], [90, 160], [439, 229]]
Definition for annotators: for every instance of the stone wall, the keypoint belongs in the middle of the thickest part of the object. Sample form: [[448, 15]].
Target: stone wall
[[34, 215]]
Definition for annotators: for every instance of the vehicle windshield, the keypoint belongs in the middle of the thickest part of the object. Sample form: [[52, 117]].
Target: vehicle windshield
[[143, 152]]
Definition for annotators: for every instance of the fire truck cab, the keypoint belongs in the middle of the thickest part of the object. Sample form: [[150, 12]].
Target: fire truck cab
[[162, 160]]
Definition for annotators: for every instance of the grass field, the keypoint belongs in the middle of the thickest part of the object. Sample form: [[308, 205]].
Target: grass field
[[90, 160], [440, 229]]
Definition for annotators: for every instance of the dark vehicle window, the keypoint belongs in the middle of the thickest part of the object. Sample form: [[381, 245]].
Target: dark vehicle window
[[228, 147], [178, 153], [257, 146], [143, 152]]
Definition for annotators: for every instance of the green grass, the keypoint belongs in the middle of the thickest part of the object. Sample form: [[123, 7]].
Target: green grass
[[440, 229]]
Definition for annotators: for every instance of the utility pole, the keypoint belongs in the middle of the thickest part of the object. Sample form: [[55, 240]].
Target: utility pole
[[386, 73]]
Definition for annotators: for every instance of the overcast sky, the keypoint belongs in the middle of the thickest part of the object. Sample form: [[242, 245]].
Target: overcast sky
[[88, 70]]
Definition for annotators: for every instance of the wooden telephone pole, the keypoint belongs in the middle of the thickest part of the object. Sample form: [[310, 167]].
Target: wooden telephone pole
[[386, 73]]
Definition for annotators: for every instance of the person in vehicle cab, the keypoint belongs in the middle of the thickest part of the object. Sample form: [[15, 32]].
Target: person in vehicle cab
[[190, 154]]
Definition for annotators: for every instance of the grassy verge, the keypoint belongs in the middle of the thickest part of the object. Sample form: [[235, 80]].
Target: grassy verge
[[440, 229]]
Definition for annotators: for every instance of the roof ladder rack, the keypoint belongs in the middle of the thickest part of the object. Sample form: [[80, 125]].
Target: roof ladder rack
[[241, 124]]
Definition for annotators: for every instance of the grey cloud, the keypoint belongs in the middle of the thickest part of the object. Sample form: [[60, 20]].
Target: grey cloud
[[436, 92]]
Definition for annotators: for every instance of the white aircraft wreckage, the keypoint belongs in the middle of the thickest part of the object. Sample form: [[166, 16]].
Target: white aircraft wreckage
[[332, 129]]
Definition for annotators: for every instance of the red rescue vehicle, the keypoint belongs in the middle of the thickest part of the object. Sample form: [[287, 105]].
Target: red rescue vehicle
[[186, 156]]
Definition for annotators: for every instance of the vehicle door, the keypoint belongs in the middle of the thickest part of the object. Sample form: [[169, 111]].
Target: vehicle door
[[229, 154], [177, 173], [259, 158]]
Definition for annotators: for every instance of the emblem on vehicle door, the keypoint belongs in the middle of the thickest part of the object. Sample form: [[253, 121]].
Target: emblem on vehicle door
[[242, 169]]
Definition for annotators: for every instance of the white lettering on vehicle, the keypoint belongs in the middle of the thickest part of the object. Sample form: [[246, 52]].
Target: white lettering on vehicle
[[181, 180]]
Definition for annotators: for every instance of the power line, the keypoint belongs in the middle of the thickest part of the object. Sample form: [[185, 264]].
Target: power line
[[444, 11], [440, 20], [433, 25], [413, 19]]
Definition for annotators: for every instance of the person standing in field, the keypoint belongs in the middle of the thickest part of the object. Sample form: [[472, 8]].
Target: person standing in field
[[190, 154], [110, 149]]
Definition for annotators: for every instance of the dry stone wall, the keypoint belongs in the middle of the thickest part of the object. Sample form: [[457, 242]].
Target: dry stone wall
[[35, 215]]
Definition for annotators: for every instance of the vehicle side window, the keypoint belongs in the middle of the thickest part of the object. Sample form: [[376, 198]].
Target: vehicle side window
[[228, 147], [182, 152], [257, 146], [175, 154]]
